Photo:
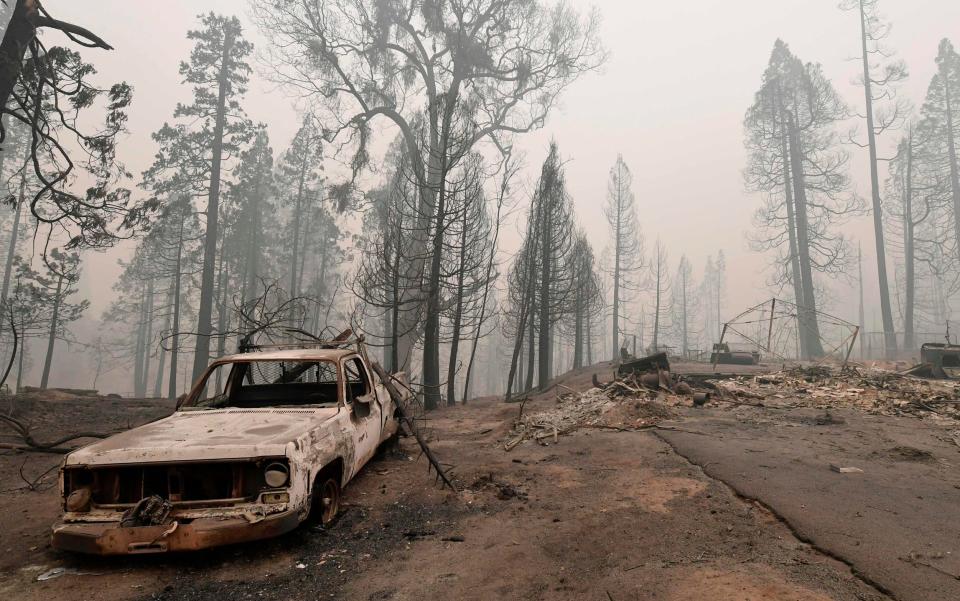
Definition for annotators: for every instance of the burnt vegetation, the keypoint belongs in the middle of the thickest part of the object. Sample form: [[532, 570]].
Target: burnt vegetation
[[398, 204]]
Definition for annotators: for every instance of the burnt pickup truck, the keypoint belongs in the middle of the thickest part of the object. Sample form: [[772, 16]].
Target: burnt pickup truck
[[264, 441]]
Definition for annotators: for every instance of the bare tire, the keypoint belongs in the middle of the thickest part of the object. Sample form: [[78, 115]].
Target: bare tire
[[326, 500]]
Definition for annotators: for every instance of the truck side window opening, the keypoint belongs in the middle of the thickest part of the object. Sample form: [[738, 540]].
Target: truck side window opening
[[357, 383]]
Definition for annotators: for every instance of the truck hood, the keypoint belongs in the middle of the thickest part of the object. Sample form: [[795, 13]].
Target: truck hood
[[205, 435]]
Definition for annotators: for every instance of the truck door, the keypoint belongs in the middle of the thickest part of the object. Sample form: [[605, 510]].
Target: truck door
[[365, 411]]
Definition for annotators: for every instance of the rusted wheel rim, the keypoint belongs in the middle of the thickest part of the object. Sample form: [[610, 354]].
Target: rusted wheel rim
[[329, 501]]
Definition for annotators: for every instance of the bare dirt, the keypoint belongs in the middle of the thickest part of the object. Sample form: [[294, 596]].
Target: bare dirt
[[599, 514]]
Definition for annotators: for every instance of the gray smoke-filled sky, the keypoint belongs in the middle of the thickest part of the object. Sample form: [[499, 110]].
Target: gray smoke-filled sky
[[671, 99]]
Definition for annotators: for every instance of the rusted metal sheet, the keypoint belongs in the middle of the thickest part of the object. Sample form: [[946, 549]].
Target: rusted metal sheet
[[938, 360], [723, 355], [643, 365], [210, 469]]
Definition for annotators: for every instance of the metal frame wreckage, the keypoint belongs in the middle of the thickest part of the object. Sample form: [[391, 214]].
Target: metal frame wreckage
[[256, 463]]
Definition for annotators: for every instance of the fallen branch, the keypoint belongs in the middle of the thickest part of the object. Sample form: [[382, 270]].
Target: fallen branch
[[619, 428], [32, 484], [387, 382], [22, 447], [31, 444]]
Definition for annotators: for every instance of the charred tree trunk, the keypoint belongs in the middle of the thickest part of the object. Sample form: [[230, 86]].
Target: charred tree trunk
[[458, 311], [14, 232], [616, 294], [531, 367], [589, 341], [886, 312], [803, 335], [578, 330], [175, 312], [205, 313], [909, 267], [544, 298], [807, 311], [431, 334], [951, 150], [139, 346], [395, 313], [516, 362], [297, 213], [162, 366], [147, 341], [52, 338]]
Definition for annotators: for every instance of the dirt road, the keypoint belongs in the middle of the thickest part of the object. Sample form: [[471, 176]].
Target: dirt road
[[604, 515], [891, 517]]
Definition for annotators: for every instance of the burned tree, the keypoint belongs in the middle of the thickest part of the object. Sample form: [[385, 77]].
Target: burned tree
[[913, 190], [586, 299], [794, 160], [253, 196], [554, 237], [299, 177], [208, 132], [54, 286], [508, 169], [519, 317], [466, 271], [542, 277], [176, 239], [383, 283], [659, 283], [497, 66], [941, 117], [879, 77], [684, 304], [627, 245]]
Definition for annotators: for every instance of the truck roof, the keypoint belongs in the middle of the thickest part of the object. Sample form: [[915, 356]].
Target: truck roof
[[290, 354]]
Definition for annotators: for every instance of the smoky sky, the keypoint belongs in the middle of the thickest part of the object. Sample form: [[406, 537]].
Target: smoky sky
[[671, 99]]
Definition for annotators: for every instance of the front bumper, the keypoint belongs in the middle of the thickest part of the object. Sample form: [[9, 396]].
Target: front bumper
[[109, 538]]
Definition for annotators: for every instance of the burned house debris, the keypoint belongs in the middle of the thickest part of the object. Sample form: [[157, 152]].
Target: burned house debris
[[722, 354], [938, 360]]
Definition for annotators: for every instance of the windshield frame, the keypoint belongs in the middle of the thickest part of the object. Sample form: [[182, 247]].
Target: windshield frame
[[190, 401]]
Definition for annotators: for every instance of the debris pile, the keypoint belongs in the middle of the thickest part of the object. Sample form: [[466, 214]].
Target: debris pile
[[875, 391], [632, 403]]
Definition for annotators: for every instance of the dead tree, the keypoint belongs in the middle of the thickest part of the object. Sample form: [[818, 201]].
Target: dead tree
[[586, 299], [684, 304], [941, 121], [508, 170], [501, 75], [659, 278], [794, 160], [469, 264], [879, 77], [209, 131], [627, 244]]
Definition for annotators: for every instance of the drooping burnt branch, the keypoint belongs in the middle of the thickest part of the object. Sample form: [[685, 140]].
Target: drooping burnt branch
[[46, 91]]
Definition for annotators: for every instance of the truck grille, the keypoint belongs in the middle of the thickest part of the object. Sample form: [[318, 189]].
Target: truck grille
[[193, 483]]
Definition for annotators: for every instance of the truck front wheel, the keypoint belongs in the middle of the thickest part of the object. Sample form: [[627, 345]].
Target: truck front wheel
[[326, 499]]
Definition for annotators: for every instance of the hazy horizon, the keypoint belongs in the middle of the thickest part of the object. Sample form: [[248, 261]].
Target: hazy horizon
[[670, 99]]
